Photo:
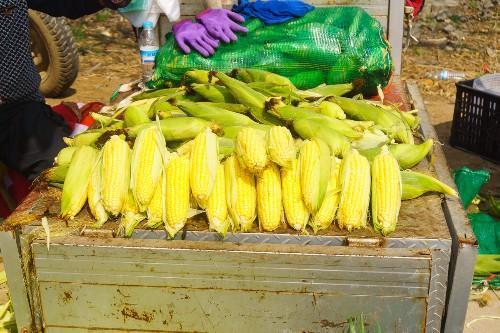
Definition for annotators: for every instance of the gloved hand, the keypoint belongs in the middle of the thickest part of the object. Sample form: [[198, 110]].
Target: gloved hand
[[195, 35], [114, 4], [220, 23]]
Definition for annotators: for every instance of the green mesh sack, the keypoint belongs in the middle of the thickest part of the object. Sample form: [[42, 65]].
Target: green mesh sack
[[487, 231], [328, 45]]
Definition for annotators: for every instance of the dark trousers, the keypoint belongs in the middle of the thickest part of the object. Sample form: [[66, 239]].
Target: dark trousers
[[31, 135]]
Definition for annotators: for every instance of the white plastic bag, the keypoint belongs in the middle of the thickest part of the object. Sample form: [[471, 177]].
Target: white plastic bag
[[152, 10]]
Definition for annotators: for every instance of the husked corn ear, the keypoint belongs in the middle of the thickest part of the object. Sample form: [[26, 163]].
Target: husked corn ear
[[115, 174], [130, 216], [269, 206], [204, 162], [156, 207], [280, 146], [355, 191], [77, 180], [314, 166], [251, 149], [147, 164], [217, 205], [94, 194], [177, 194], [241, 194], [386, 192], [296, 212], [326, 213]]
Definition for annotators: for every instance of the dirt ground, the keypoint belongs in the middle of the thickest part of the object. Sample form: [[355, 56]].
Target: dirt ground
[[465, 39]]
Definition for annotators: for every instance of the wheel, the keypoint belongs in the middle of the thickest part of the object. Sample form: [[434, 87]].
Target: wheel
[[54, 53]]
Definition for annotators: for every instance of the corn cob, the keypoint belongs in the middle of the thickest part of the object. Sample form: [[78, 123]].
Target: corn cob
[[310, 128], [331, 110], [136, 115], [326, 214], [178, 128], [251, 98], [250, 148], [415, 184], [76, 184], [281, 146], [177, 194], [231, 132], [167, 93], [64, 156], [130, 216], [156, 208], [269, 202], [314, 166], [213, 93], [87, 138], [386, 192], [217, 204], [212, 113], [94, 194], [258, 75], [201, 76], [296, 212], [147, 165], [407, 155], [204, 161], [355, 191], [239, 108], [333, 90], [241, 195], [115, 174], [390, 123], [273, 90]]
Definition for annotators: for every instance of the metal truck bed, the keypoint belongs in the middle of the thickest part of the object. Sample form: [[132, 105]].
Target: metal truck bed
[[88, 280]]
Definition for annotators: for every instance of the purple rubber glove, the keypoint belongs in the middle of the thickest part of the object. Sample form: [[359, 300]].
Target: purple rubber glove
[[220, 23], [190, 34]]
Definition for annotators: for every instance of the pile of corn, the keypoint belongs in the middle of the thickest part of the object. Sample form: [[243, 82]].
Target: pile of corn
[[245, 151]]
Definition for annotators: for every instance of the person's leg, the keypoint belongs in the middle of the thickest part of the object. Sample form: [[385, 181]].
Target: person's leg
[[32, 135]]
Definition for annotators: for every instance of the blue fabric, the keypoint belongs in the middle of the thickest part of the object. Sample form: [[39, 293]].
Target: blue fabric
[[272, 11]]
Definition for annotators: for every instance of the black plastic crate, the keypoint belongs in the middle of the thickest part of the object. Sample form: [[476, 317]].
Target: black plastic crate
[[476, 121]]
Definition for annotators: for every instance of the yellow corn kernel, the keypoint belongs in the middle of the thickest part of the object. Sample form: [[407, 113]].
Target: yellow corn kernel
[[326, 213], [177, 194], [386, 192], [130, 216], [115, 174], [314, 168], [241, 194], [296, 212], [269, 206], [147, 164], [281, 146], [250, 148], [74, 193], [156, 209], [204, 162], [94, 194], [355, 191], [217, 205]]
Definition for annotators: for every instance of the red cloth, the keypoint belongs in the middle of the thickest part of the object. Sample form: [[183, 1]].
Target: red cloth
[[417, 6]]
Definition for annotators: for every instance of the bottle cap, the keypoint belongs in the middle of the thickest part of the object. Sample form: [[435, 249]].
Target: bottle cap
[[147, 24]]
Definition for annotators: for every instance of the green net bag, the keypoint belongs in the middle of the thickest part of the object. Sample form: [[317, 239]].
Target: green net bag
[[328, 45]]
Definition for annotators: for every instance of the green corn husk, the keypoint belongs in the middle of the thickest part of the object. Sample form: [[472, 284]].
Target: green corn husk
[[416, 184], [333, 89], [254, 100], [314, 128], [213, 93], [64, 156], [87, 138], [272, 90], [178, 128], [408, 155], [248, 75], [56, 174], [226, 147], [372, 138], [331, 109], [239, 108], [74, 192], [391, 124], [212, 113], [136, 115], [201, 76], [411, 119], [107, 121], [168, 93], [130, 217], [359, 125], [164, 109], [291, 113]]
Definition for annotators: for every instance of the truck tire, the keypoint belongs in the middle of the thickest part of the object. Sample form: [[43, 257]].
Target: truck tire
[[54, 53]]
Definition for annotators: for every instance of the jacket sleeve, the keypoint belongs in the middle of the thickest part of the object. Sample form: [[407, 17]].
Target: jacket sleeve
[[71, 9]]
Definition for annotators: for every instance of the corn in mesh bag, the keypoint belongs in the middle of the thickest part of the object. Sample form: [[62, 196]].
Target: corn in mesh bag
[[328, 45]]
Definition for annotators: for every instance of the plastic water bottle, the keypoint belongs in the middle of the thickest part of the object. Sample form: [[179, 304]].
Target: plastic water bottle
[[447, 75], [149, 46]]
